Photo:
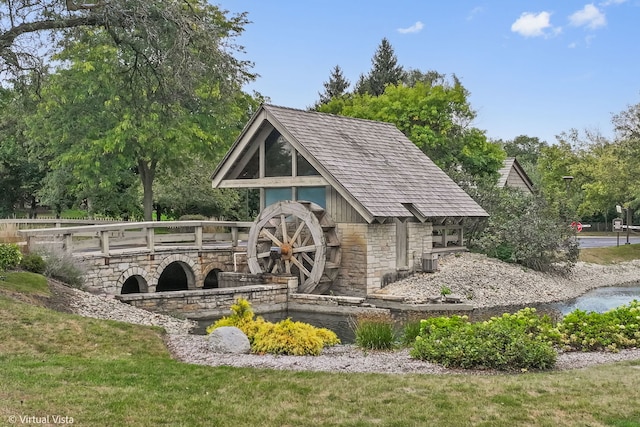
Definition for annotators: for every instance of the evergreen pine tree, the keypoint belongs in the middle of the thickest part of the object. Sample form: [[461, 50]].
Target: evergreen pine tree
[[385, 71], [336, 86]]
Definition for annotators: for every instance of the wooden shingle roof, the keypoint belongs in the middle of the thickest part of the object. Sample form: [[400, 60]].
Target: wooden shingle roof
[[372, 164], [513, 174]]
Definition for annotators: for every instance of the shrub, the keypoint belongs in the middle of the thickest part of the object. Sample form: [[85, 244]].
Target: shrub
[[285, 337], [33, 263], [62, 266], [374, 332], [291, 338], [509, 342], [10, 256], [613, 330]]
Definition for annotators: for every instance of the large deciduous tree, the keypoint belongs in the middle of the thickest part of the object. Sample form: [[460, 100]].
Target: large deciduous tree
[[121, 99]]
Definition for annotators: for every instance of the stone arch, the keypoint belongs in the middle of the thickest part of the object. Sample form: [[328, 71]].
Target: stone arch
[[132, 277], [181, 267], [210, 275]]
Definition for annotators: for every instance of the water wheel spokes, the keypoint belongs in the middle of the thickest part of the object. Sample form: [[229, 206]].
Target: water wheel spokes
[[297, 233]]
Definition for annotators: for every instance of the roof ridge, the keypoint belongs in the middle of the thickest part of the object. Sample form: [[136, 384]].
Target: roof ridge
[[329, 114]]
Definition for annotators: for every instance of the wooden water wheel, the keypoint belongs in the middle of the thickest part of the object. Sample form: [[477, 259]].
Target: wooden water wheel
[[297, 238]]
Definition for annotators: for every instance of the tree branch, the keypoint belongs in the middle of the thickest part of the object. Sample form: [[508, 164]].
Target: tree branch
[[8, 37]]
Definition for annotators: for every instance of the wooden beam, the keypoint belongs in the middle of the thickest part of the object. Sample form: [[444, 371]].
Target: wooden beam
[[273, 182]]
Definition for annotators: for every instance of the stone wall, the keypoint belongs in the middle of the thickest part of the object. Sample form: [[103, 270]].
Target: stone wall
[[369, 256], [420, 241], [212, 303], [107, 274]]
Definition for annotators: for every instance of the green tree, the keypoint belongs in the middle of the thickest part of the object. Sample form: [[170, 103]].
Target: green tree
[[107, 122], [385, 71], [21, 171], [335, 87], [627, 127], [188, 191]]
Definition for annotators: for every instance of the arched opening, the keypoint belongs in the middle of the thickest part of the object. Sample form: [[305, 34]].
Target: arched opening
[[133, 285], [173, 278], [211, 281]]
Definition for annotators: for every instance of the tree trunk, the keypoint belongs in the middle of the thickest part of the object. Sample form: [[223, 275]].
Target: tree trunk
[[147, 175]]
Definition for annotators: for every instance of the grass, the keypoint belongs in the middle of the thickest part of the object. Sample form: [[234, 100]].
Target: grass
[[105, 373], [24, 282], [610, 255]]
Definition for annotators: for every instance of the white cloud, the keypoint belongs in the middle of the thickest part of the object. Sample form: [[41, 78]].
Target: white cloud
[[572, 45], [531, 24], [610, 2], [589, 16], [415, 28]]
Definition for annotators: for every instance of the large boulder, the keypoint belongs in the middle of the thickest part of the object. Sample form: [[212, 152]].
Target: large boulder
[[229, 339]]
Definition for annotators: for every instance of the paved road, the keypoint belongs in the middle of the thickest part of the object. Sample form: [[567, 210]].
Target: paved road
[[600, 242]]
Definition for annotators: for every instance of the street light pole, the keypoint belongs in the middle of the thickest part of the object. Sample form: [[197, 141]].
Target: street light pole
[[628, 224]]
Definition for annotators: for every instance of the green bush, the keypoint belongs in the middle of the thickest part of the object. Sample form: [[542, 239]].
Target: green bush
[[10, 256], [285, 337], [510, 342], [375, 332], [33, 263], [613, 330]]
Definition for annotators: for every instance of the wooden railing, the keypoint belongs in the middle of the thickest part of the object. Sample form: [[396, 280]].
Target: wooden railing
[[446, 235], [150, 235]]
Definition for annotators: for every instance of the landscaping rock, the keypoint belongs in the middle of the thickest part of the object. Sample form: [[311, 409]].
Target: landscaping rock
[[229, 339]]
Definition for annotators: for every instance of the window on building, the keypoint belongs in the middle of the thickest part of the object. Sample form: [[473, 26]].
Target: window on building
[[277, 152], [317, 195], [304, 167], [274, 195]]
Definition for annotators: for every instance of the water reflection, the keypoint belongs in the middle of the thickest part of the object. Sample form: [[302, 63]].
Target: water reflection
[[601, 299]]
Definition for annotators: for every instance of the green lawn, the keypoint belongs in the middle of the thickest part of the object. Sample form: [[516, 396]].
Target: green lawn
[[105, 373], [610, 255]]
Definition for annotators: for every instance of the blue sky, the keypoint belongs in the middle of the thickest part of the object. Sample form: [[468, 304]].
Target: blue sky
[[533, 68]]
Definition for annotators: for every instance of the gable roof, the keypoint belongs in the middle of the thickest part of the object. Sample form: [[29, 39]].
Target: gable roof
[[371, 164], [510, 165]]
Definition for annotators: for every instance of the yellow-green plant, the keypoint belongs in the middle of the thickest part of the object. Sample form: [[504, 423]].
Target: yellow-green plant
[[284, 337], [292, 338]]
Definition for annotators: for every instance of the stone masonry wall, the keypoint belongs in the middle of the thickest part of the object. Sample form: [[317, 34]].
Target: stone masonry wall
[[420, 241], [212, 303], [108, 274], [351, 280]]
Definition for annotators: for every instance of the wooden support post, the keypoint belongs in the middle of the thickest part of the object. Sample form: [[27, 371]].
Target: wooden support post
[[198, 231], [104, 242], [150, 239], [68, 242], [234, 236], [444, 237]]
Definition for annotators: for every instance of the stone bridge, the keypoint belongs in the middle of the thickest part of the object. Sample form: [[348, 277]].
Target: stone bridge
[[148, 257]]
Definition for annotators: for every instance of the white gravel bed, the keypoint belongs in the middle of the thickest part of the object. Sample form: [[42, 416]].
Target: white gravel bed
[[480, 281], [348, 358], [487, 282]]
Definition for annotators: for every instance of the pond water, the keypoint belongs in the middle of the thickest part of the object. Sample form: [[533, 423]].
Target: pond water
[[601, 299], [338, 323]]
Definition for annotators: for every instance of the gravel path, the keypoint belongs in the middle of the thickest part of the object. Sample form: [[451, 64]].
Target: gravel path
[[479, 280]]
